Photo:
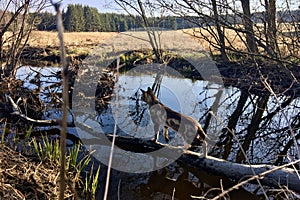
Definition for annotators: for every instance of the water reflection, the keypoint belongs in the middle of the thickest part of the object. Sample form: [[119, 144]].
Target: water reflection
[[182, 95], [260, 124]]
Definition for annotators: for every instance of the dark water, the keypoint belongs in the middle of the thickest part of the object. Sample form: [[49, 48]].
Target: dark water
[[261, 125]]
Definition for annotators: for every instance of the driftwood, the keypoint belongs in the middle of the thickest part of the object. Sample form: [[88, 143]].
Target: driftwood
[[38, 122], [268, 175]]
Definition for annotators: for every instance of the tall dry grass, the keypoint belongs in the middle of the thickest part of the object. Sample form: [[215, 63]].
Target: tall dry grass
[[45, 38]]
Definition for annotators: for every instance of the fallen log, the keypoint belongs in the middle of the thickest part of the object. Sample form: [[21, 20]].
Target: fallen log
[[268, 175]]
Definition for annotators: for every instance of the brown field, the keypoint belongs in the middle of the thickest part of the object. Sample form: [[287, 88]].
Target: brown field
[[82, 42], [50, 39], [84, 39], [78, 43]]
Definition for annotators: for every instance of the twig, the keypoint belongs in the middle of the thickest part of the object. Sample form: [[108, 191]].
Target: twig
[[173, 194], [259, 176], [114, 134], [246, 157], [119, 189], [38, 122], [60, 30], [269, 88]]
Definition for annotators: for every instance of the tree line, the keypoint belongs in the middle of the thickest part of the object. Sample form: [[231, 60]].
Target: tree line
[[79, 18]]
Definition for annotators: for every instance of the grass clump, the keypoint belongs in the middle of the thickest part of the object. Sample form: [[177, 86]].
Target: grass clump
[[35, 175]]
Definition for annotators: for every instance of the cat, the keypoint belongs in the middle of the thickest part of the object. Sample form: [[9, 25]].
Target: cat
[[189, 128]]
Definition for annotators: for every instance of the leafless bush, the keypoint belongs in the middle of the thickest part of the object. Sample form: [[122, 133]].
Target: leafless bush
[[16, 23], [243, 27]]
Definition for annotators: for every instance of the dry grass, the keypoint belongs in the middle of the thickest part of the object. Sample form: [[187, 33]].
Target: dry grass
[[24, 178], [287, 38], [81, 43], [232, 38], [50, 39], [77, 43]]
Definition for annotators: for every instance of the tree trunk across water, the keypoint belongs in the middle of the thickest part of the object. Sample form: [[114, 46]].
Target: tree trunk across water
[[267, 175]]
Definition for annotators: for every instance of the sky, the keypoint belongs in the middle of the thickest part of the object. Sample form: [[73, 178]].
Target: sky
[[109, 6], [101, 5]]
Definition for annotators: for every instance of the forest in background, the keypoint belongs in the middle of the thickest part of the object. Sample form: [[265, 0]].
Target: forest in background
[[79, 18]]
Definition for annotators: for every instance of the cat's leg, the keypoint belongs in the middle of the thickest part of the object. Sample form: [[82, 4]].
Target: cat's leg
[[166, 133], [186, 146], [156, 132], [204, 145]]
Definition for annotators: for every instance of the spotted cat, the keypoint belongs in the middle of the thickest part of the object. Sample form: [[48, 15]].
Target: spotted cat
[[190, 129]]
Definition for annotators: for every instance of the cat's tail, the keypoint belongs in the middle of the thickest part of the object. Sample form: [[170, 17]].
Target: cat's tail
[[201, 136]]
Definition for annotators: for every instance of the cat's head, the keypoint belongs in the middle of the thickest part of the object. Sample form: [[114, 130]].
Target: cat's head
[[149, 97]]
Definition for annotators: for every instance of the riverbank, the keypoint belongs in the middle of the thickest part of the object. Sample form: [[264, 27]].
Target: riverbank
[[29, 177]]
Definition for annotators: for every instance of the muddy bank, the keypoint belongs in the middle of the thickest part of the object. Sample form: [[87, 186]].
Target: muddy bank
[[50, 56], [251, 77]]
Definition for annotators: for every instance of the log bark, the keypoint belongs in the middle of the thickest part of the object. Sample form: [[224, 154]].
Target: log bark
[[268, 175]]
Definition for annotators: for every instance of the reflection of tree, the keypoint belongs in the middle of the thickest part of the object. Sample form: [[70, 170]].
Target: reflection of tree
[[232, 122], [258, 124], [157, 82], [136, 111], [286, 148], [213, 109], [253, 126]]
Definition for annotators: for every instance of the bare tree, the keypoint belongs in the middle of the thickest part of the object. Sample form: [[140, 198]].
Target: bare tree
[[239, 28], [271, 24], [219, 28], [17, 21], [248, 23], [139, 7]]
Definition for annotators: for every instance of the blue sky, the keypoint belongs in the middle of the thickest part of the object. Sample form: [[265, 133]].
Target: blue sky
[[101, 5], [109, 6]]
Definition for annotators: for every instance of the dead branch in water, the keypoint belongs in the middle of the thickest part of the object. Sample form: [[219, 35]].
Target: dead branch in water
[[37, 122]]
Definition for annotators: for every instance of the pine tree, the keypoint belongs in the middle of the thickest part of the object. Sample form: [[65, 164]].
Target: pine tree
[[69, 21], [173, 24], [85, 18], [123, 25], [80, 20], [47, 21], [74, 18]]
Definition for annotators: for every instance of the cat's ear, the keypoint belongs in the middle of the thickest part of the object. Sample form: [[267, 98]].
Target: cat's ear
[[149, 89], [143, 91]]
